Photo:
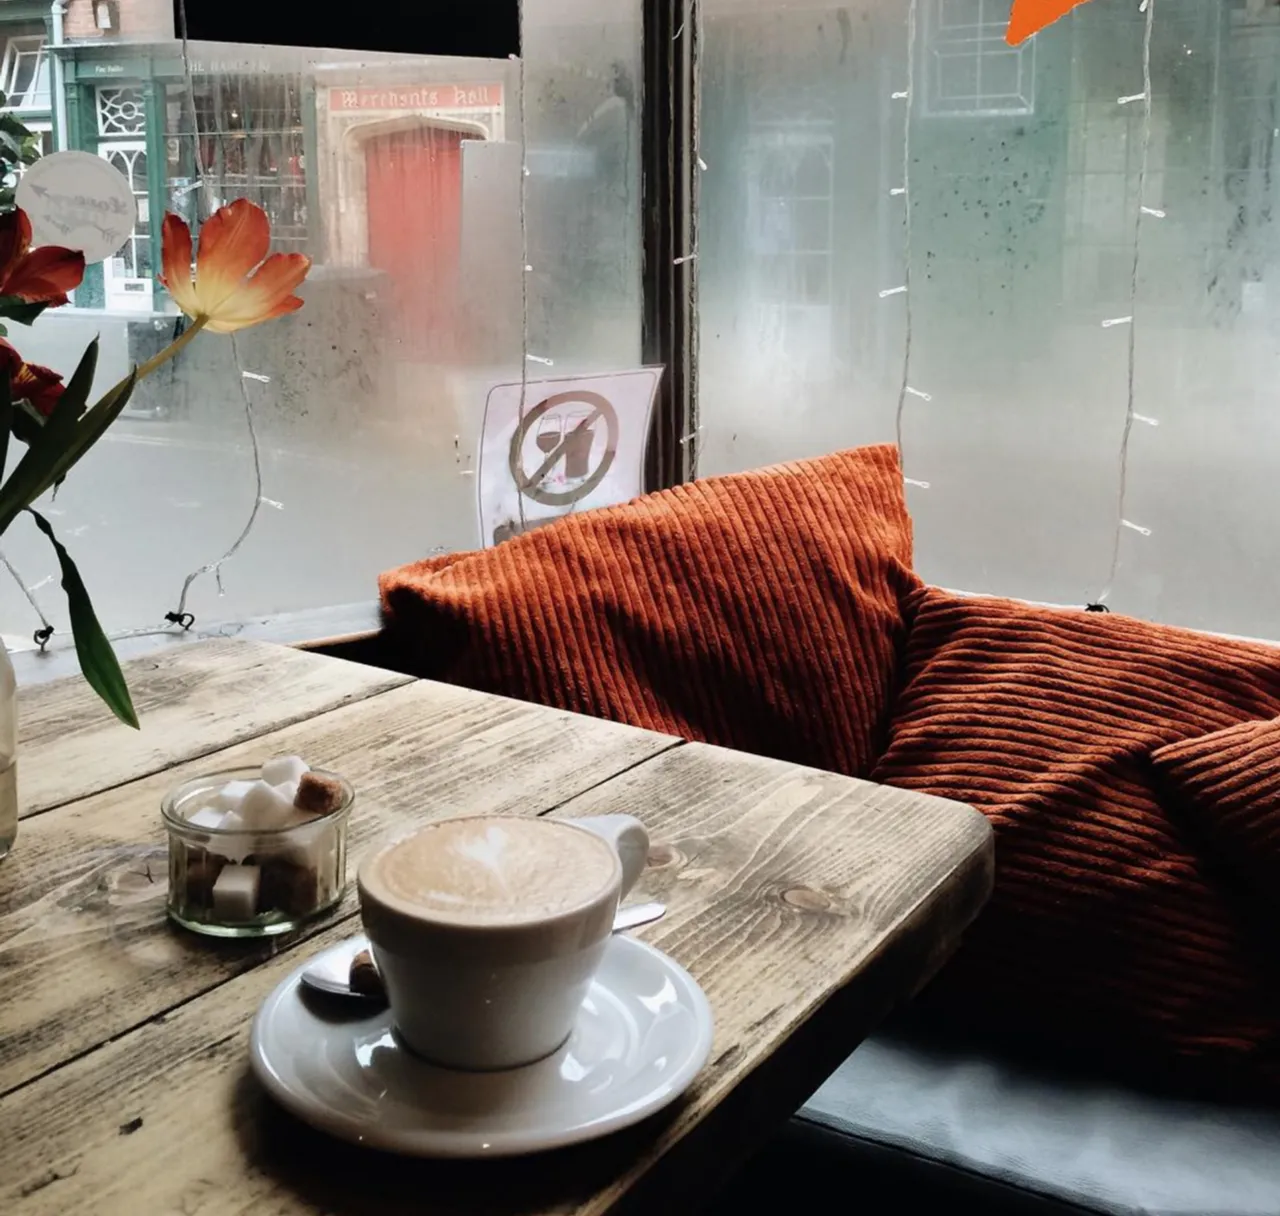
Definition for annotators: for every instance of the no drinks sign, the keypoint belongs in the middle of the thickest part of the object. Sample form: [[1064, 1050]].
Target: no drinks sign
[[578, 443]]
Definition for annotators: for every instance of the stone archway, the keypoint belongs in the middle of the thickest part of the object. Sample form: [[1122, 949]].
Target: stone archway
[[344, 180]]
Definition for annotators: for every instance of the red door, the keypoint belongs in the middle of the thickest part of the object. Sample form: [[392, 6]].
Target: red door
[[414, 180]]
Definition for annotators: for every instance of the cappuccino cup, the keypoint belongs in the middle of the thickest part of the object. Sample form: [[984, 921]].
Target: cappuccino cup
[[487, 929]]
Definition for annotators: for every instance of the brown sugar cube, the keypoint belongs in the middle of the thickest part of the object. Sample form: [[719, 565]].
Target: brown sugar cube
[[286, 886], [201, 872], [364, 977], [318, 794]]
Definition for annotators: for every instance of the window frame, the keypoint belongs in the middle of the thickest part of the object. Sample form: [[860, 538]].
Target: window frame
[[669, 216], [16, 47], [986, 40]]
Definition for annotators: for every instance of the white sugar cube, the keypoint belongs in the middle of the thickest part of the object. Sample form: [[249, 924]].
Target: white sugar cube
[[235, 893], [232, 847], [265, 808], [229, 797], [303, 839], [286, 771], [206, 817]]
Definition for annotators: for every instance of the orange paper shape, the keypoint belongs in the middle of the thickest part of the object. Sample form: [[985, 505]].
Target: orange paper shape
[[1031, 16]]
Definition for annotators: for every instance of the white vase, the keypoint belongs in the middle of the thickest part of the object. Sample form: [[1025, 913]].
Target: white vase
[[8, 754]]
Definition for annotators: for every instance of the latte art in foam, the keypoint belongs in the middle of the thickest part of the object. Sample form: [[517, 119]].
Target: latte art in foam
[[494, 870]]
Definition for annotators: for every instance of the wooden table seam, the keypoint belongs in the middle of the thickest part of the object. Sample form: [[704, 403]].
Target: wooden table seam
[[622, 772], [271, 729]]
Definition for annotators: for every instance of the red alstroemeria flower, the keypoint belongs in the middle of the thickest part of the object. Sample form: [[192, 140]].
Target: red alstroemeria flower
[[39, 276], [30, 382], [236, 285]]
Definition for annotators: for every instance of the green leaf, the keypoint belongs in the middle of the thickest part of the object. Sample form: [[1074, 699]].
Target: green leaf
[[22, 311], [89, 430], [6, 419], [14, 127], [27, 422], [48, 457], [98, 661]]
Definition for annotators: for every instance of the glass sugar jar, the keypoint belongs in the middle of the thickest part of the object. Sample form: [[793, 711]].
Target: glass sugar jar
[[243, 882]]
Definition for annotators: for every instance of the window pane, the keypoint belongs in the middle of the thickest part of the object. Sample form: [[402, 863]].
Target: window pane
[[401, 177], [367, 403], [958, 79], [24, 74], [1024, 194], [582, 75], [960, 14], [1001, 72]]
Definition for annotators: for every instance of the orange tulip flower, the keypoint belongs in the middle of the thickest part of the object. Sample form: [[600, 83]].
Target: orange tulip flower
[[40, 386], [236, 285], [38, 276]]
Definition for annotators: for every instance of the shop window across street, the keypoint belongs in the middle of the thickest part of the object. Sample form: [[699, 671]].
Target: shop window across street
[[971, 68], [24, 72]]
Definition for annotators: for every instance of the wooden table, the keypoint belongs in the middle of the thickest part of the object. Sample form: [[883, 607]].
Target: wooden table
[[806, 904]]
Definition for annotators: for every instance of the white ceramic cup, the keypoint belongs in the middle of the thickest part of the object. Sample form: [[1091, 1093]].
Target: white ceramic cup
[[490, 996]]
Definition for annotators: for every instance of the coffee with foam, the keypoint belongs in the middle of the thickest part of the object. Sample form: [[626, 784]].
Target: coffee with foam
[[491, 870]]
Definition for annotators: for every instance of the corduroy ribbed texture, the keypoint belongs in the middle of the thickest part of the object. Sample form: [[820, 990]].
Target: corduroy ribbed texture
[[759, 611], [1109, 930], [1227, 787]]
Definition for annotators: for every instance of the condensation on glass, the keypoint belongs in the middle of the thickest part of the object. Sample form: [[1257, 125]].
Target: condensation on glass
[[1024, 169], [1208, 337], [583, 91], [401, 176], [366, 402]]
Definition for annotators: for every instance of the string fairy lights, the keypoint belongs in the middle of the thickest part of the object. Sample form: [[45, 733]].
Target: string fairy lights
[[1141, 213], [906, 95]]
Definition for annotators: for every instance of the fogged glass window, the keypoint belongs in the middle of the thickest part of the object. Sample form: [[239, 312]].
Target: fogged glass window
[[789, 220], [401, 176], [1026, 183]]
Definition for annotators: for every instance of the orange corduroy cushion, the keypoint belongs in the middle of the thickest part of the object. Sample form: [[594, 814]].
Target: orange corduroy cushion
[[1109, 929], [760, 611], [1227, 785]]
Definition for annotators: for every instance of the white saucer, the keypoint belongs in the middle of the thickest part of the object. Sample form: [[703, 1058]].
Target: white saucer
[[642, 1035]]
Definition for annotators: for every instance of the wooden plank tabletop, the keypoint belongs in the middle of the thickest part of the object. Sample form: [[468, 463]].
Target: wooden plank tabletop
[[806, 904], [191, 700]]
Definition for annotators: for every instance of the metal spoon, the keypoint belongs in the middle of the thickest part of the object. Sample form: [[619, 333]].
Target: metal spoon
[[330, 972]]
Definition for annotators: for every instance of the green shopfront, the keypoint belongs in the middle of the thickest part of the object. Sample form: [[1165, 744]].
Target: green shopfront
[[130, 105]]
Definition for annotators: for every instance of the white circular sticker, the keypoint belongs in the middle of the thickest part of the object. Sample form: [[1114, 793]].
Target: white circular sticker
[[80, 201]]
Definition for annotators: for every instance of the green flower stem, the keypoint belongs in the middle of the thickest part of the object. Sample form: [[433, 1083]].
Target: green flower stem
[[145, 369]]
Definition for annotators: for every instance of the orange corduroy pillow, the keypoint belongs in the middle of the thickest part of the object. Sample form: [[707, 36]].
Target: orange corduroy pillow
[[1227, 786], [1110, 931], [760, 610]]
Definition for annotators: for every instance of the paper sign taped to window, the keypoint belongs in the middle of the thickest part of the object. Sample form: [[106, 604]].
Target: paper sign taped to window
[[79, 201], [578, 443]]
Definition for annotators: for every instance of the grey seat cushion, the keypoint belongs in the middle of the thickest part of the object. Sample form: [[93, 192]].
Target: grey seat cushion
[[1088, 1144]]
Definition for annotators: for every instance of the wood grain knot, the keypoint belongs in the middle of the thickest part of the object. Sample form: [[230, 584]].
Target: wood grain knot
[[807, 899], [661, 855], [137, 874]]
